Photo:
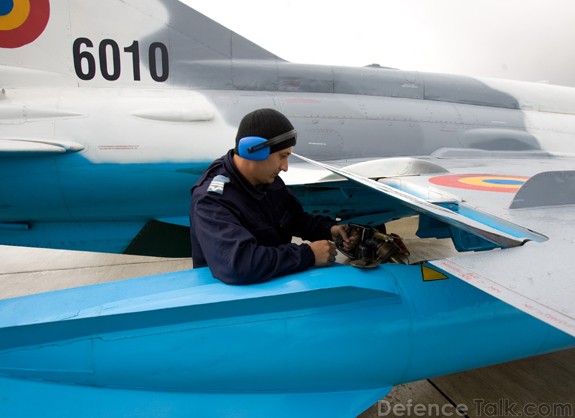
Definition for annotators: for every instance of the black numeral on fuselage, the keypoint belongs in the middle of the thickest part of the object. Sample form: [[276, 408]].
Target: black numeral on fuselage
[[109, 60]]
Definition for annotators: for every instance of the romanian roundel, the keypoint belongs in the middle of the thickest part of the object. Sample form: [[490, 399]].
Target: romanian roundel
[[485, 182], [22, 21]]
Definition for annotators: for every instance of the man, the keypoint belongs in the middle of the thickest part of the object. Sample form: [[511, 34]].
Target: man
[[243, 217]]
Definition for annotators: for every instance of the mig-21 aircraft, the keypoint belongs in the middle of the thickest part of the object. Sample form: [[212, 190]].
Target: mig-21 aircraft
[[109, 113]]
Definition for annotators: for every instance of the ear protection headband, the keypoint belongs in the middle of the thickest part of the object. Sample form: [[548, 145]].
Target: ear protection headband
[[256, 148]]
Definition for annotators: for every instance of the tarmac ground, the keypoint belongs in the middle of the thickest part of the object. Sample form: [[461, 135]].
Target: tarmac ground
[[541, 386]]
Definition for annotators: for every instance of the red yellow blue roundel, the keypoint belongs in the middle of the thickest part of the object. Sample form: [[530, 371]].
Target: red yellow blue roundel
[[22, 21], [485, 182]]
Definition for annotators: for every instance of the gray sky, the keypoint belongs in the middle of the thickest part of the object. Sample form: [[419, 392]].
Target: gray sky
[[517, 39]]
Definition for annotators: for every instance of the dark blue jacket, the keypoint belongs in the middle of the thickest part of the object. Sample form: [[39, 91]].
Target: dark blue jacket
[[244, 233]]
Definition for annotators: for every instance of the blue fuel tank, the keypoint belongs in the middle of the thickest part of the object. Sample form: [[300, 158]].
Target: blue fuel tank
[[184, 344]]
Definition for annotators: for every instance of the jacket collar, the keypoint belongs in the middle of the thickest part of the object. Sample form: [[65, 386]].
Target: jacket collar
[[256, 192]]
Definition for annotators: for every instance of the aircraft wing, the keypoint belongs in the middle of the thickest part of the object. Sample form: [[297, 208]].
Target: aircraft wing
[[520, 210]]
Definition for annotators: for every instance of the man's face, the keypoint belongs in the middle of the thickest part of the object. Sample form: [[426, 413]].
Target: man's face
[[267, 170]]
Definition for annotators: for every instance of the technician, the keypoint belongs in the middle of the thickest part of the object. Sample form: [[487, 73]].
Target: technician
[[243, 216]]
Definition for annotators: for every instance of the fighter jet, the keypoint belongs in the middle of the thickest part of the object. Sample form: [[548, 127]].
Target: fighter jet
[[111, 110]]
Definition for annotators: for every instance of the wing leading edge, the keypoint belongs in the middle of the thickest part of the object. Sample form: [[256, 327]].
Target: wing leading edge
[[505, 234]]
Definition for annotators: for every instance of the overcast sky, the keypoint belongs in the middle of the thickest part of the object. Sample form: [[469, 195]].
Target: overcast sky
[[518, 39]]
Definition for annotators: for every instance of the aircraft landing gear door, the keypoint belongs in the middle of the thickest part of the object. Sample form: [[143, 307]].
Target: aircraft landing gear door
[[320, 142]]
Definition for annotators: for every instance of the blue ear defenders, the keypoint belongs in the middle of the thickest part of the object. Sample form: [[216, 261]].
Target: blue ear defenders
[[256, 148]]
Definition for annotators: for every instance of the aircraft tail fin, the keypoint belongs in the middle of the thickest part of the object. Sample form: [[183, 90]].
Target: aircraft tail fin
[[135, 42]]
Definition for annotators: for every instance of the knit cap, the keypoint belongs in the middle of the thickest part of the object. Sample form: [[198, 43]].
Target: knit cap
[[266, 123]]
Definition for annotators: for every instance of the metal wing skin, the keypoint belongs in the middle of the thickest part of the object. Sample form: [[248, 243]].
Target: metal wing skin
[[523, 206]]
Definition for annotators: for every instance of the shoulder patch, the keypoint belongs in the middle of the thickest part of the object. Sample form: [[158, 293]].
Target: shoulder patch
[[217, 184]]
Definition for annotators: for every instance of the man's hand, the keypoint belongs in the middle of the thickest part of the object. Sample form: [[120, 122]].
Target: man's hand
[[324, 252], [349, 242]]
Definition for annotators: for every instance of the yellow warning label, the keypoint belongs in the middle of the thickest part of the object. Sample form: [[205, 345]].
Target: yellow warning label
[[430, 274]]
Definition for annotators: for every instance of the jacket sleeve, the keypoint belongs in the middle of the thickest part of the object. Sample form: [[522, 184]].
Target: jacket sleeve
[[233, 253], [307, 226]]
